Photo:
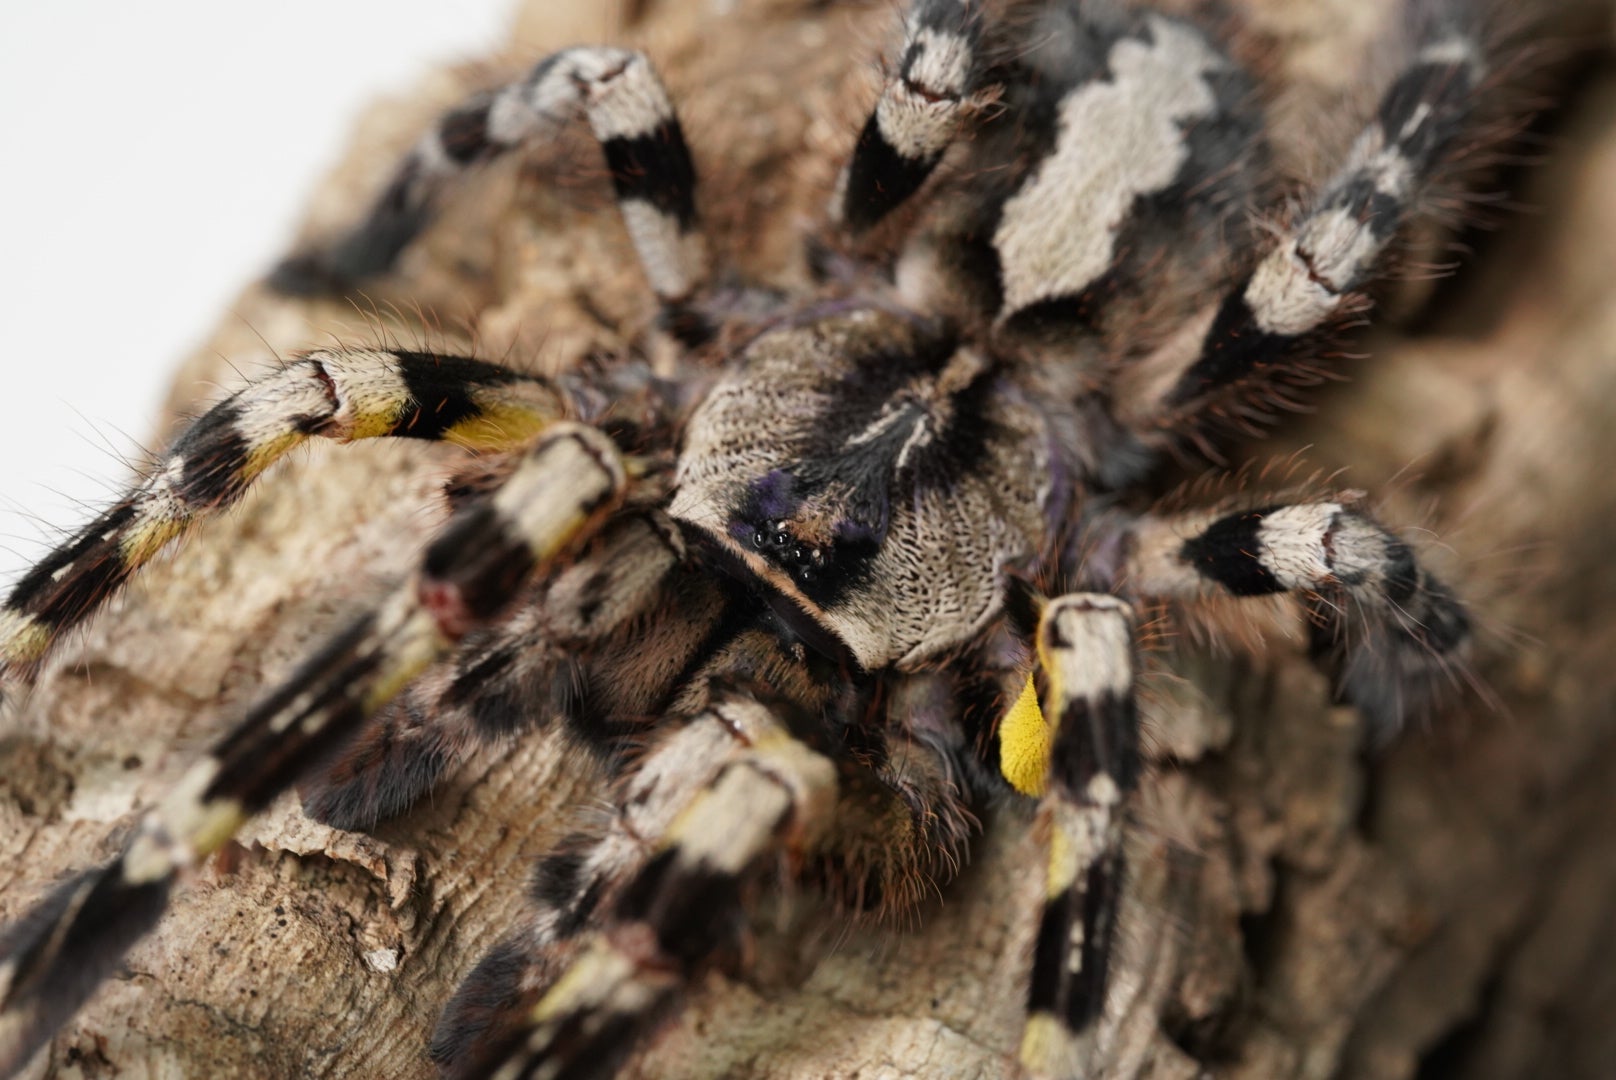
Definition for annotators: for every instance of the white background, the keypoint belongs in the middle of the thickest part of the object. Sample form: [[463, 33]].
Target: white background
[[153, 159]]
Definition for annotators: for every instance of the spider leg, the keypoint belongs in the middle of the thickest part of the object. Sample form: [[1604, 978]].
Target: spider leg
[[573, 884], [501, 680], [900, 828], [56, 956], [1385, 625], [1086, 667], [338, 394], [724, 812], [628, 110], [904, 823], [1316, 275], [1121, 141], [921, 109]]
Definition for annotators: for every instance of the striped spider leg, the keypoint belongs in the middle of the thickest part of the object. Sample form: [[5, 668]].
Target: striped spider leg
[[1083, 753], [777, 591], [347, 394], [628, 111], [60, 952]]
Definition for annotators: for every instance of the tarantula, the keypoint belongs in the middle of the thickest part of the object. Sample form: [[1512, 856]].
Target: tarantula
[[815, 576]]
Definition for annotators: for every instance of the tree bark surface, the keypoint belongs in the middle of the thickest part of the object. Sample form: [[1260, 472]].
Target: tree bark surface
[[1298, 908]]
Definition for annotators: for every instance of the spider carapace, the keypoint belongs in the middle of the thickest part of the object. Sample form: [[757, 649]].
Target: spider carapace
[[852, 563]]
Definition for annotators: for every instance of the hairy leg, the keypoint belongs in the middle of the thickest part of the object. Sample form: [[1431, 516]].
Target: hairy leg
[[654, 893], [55, 957], [1086, 675], [628, 110], [1387, 628], [1227, 359], [922, 107], [338, 394]]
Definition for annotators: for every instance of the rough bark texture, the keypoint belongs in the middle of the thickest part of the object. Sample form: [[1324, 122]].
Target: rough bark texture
[[1299, 909]]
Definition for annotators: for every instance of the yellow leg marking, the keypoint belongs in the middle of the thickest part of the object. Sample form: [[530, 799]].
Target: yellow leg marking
[[143, 542], [217, 822], [565, 482], [373, 419], [1025, 738], [498, 427], [266, 453], [183, 828], [593, 979], [1066, 861], [1047, 1047], [23, 638], [413, 646], [372, 391], [1054, 683], [603, 981]]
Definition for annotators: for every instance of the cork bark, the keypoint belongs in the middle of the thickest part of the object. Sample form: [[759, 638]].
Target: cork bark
[[1298, 907]]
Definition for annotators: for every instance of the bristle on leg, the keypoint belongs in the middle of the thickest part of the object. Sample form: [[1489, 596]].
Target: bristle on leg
[[683, 907], [1317, 274]]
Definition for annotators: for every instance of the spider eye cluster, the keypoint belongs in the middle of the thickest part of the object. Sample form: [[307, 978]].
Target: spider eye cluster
[[803, 561]]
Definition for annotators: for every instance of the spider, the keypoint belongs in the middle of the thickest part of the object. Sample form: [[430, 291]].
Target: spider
[[816, 575]]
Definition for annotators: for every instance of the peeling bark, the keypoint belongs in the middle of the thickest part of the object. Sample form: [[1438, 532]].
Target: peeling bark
[[1298, 908]]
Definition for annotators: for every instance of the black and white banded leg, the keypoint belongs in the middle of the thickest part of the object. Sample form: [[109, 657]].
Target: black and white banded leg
[[524, 673], [921, 109], [1315, 277], [1387, 629], [573, 884], [56, 956], [733, 793], [1086, 679], [648, 881], [1122, 141], [338, 394], [628, 110]]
